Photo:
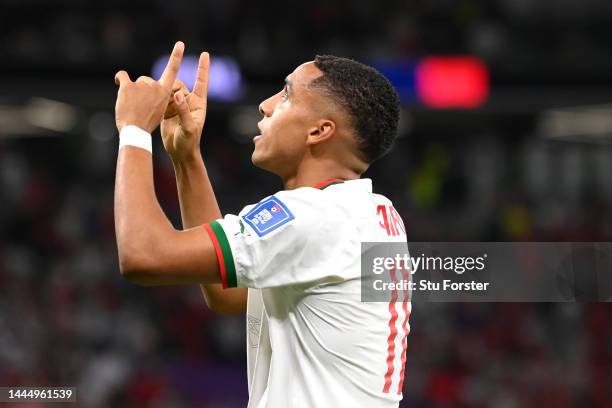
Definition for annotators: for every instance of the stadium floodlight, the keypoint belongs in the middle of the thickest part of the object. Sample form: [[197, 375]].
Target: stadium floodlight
[[458, 82], [439, 82], [579, 124], [51, 115]]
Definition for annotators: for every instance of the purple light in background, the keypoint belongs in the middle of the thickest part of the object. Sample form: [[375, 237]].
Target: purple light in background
[[225, 81], [187, 73]]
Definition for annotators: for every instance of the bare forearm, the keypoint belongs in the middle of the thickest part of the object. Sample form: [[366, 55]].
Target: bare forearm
[[151, 251], [196, 196], [198, 206], [137, 213]]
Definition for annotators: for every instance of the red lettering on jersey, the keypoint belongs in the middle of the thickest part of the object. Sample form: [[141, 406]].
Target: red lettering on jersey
[[397, 220], [382, 210], [391, 221]]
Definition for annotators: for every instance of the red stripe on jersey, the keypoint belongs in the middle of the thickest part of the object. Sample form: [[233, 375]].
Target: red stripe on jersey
[[326, 183], [400, 386], [215, 241], [392, 335]]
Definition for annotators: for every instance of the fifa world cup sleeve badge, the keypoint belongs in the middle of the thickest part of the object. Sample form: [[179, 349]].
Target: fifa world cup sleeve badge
[[267, 216]]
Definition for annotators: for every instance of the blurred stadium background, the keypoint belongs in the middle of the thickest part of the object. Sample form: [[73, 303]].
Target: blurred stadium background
[[505, 137]]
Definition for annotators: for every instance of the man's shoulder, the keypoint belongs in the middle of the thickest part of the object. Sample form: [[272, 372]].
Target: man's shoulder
[[335, 204], [303, 198]]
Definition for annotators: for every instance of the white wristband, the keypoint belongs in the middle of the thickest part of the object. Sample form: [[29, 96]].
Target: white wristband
[[134, 136]]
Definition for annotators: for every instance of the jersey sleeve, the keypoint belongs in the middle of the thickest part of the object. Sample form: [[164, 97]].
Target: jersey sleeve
[[292, 237]]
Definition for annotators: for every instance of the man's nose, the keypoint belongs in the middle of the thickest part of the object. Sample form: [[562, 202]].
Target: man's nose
[[266, 107]]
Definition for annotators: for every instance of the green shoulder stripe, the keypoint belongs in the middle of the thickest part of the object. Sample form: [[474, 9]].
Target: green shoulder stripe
[[226, 250]]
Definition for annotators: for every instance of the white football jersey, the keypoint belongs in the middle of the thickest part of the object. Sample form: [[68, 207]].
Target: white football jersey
[[311, 341]]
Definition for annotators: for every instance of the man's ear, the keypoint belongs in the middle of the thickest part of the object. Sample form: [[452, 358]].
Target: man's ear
[[324, 130]]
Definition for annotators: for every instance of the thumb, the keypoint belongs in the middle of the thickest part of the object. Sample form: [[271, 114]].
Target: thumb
[[184, 113], [122, 77]]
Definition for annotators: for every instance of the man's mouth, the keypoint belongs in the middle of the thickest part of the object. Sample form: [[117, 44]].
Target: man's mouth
[[257, 138]]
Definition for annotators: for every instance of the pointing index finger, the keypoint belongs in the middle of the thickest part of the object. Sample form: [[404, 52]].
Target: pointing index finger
[[200, 87], [172, 68]]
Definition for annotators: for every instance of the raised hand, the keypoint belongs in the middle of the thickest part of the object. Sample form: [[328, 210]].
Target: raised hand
[[181, 128], [142, 103]]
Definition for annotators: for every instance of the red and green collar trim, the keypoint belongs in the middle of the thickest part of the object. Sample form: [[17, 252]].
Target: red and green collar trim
[[324, 184]]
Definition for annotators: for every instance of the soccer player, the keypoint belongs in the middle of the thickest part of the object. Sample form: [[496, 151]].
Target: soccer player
[[311, 341]]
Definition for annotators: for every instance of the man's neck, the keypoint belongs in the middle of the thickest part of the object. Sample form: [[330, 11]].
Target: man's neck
[[313, 170], [317, 176]]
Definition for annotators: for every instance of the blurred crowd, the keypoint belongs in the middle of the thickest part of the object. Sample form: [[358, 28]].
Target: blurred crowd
[[68, 318]]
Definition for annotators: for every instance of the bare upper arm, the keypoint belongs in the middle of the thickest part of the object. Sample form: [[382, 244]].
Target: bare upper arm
[[173, 257]]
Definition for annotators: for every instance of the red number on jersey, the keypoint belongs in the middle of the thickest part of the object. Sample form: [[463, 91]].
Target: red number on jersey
[[393, 332]]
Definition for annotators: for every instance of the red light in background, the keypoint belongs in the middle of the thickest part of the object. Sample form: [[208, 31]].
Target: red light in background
[[452, 82]]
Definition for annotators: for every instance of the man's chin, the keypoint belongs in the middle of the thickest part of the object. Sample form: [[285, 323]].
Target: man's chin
[[262, 163], [258, 161]]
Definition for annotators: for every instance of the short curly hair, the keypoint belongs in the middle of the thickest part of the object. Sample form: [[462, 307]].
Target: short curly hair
[[367, 97]]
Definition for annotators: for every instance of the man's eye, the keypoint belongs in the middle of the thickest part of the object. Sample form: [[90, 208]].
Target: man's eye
[[285, 94]]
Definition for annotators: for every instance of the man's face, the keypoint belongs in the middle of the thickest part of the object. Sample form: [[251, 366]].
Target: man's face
[[288, 117]]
